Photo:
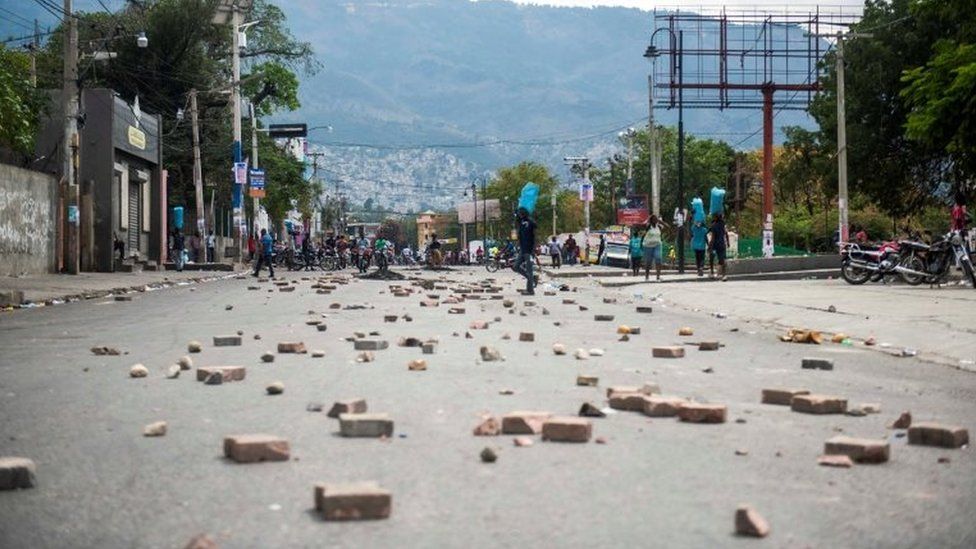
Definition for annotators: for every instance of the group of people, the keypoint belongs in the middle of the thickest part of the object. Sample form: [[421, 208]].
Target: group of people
[[184, 250], [647, 245]]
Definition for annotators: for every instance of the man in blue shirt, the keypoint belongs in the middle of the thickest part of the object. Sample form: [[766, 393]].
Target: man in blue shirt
[[264, 255], [526, 244]]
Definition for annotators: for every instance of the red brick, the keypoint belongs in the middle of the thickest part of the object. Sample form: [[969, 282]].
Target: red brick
[[836, 460], [818, 404], [291, 347], [748, 522], [933, 434], [353, 501], [524, 423], [702, 413], [658, 406], [227, 373], [351, 406], [488, 428], [781, 397], [253, 448], [567, 429], [668, 352], [861, 450], [587, 381], [632, 402]]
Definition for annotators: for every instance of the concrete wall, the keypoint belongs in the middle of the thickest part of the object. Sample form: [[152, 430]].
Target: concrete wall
[[783, 264], [28, 221]]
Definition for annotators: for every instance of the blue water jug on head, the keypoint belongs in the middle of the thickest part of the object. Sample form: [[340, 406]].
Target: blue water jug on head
[[716, 204], [178, 217], [698, 210], [529, 196]]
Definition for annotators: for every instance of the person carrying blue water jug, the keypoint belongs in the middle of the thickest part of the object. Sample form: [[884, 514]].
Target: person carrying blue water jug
[[699, 243]]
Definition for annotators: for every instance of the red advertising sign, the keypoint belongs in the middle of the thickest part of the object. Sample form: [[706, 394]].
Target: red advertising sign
[[633, 210]]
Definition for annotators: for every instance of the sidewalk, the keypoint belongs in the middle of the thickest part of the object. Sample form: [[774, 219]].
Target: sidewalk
[[938, 323], [52, 289]]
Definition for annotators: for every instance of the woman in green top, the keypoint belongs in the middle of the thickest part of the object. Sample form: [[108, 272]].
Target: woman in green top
[[652, 244], [636, 250], [699, 242]]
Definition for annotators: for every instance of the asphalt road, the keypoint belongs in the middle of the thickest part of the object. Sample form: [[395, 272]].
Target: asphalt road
[[656, 482]]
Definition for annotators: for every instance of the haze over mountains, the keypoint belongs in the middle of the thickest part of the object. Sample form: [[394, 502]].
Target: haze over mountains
[[412, 73], [537, 82]]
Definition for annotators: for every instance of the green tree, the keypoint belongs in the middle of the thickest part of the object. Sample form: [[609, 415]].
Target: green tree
[[942, 96], [19, 102]]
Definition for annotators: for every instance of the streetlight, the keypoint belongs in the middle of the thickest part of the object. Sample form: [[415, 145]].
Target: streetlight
[[652, 53], [142, 41]]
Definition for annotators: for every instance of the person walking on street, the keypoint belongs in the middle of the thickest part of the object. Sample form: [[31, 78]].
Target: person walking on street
[[555, 253], [653, 248], [526, 256], [179, 242], [699, 243], [264, 255], [719, 243], [211, 246], [601, 254], [636, 251]]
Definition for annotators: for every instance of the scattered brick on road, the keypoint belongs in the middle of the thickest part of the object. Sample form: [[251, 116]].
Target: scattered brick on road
[[225, 373], [275, 388], [588, 409], [349, 406], [631, 402], [365, 356], [173, 371], [489, 427], [185, 362], [524, 423], [429, 348], [490, 354], [522, 442], [587, 381], [904, 421], [692, 412], [659, 406], [526, 336], [417, 365], [685, 331], [138, 370], [156, 429], [558, 349], [371, 344], [226, 340], [194, 347], [809, 363], [567, 429], [934, 434], [581, 354], [748, 522], [860, 450], [836, 460], [781, 397], [255, 448], [365, 425], [709, 345], [268, 357], [668, 352], [818, 404], [353, 501], [603, 318], [292, 347], [17, 473], [644, 309]]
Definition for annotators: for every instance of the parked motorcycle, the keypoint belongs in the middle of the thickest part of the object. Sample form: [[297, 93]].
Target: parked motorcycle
[[860, 264], [940, 256]]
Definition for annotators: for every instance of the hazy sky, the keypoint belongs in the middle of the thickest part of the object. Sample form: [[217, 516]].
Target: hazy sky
[[847, 5]]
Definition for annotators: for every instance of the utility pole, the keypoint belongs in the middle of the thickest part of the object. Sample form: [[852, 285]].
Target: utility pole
[[681, 154], [582, 163], [70, 142], [238, 190], [653, 145], [738, 192], [613, 192], [552, 203], [256, 201], [197, 167], [474, 197], [33, 47]]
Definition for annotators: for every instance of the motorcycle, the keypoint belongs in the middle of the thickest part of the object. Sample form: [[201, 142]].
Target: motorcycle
[[939, 257], [860, 264], [364, 257]]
